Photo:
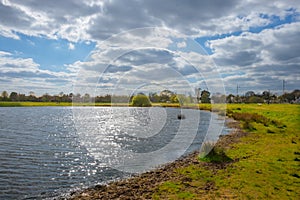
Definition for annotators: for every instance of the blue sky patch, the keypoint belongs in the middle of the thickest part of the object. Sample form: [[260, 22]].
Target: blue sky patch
[[50, 54]]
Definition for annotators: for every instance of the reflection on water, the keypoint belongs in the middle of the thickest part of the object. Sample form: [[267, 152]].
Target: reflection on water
[[46, 151]]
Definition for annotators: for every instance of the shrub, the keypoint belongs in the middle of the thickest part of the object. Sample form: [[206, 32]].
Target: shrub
[[249, 117], [249, 126], [141, 100], [216, 156]]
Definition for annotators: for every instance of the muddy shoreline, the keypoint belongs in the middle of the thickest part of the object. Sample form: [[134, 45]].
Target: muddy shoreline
[[142, 186]]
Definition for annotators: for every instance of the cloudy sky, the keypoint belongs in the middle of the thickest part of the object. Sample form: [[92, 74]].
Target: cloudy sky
[[126, 46]]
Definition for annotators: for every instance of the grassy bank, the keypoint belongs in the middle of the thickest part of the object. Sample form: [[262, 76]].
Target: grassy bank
[[259, 160], [264, 164]]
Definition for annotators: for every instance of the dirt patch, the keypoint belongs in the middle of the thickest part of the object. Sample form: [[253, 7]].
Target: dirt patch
[[142, 185], [233, 137]]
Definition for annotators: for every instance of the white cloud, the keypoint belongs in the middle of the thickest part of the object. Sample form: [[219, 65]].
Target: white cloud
[[260, 60], [98, 20], [21, 74], [121, 64], [71, 46], [4, 53]]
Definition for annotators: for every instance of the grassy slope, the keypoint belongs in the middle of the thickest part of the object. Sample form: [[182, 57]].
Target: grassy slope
[[266, 161]]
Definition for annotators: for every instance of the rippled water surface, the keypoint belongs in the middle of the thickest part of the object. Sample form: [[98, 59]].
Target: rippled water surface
[[49, 151]]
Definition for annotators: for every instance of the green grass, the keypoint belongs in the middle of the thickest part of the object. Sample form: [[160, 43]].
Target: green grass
[[173, 191], [266, 161]]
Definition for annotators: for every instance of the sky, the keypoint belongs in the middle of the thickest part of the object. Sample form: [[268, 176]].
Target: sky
[[129, 46]]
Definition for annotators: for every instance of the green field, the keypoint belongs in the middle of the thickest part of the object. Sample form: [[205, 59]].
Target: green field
[[264, 163]]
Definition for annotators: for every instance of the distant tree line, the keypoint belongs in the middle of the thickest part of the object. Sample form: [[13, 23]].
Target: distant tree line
[[165, 96], [264, 97], [14, 96]]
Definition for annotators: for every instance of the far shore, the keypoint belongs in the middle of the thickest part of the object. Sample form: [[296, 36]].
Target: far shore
[[92, 104]]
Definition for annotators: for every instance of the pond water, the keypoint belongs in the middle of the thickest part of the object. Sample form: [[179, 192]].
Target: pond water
[[49, 151]]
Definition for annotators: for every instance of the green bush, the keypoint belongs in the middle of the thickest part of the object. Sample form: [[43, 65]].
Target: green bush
[[141, 100], [216, 155]]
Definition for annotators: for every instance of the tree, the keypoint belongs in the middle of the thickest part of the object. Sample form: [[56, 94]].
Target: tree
[[205, 96], [249, 94], [174, 98], [266, 95], [31, 96], [287, 97], [296, 93], [103, 99], [165, 95], [120, 99], [220, 98], [164, 98], [31, 93], [141, 100], [46, 97], [181, 99], [255, 99], [230, 98], [22, 97], [197, 93], [4, 96], [76, 97], [86, 97], [14, 96], [153, 96]]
